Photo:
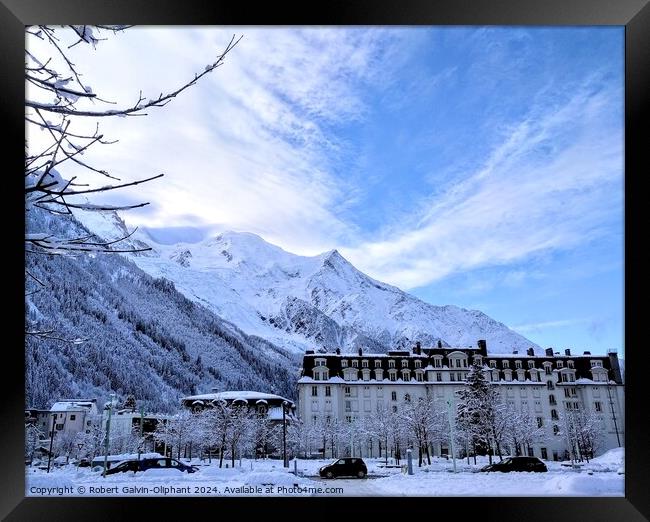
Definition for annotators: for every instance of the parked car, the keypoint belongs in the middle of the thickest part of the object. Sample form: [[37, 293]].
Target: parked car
[[345, 467], [146, 464], [517, 464]]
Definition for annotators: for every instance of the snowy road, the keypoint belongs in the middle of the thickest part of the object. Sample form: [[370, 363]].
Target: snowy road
[[268, 478]]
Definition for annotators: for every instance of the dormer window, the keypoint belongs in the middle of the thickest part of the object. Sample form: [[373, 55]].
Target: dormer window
[[478, 359], [569, 364], [506, 364], [344, 363], [418, 364], [493, 364], [391, 363], [406, 375], [531, 364], [377, 363], [596, 364], [560, 364], [364, 363], [405, 363], [355, 364], [518, 365]]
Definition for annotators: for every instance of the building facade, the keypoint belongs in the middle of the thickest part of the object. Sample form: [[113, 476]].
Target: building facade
[[355, 386], [72, 416]]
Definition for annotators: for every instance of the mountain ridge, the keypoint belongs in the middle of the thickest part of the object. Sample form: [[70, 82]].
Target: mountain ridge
[[306, 302]]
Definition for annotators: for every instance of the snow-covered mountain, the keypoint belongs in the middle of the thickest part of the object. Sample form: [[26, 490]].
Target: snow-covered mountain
[[320, 302]]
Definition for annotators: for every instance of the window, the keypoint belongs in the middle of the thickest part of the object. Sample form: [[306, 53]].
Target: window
[[392, 375], [540, 422], [567, 392], [406, 375], [596, 364], [531, 364], [518, 364], [544, 453], [364, 363], [314, 391], [393, 396], [405, 363], [560, 364], [366, 391], [418, 364], [379, 373], [314, 405], [478, 359], [457, 363], [508, 375], [437, 363], [355, 364], [88, 422], [556, 429], [505, 364], [380, 391], [549, 385], [570, 364], [551, 400], [452, 376], [328, 391], [407, 397], [419, 377], [73, 417], [598, 406], [438, 376], [554, 415], [493, 364], [391, 363], [347, 391], [460, 376], [59, 426], [348, 406], [377, 363], [548, 369], [533, 376], [344, 363]]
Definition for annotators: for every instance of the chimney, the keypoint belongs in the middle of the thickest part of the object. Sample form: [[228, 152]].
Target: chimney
[[567, 352], [439, 343], [587, 353], [482, 346], [515, 352], [338, 351], [417, 349], [309, 352], [531, 352], [360, 352], [549, 352]]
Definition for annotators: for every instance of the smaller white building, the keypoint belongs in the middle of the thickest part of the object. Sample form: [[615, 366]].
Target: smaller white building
[[72, 416]]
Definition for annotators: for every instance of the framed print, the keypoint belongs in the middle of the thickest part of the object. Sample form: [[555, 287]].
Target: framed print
[[364, 258]]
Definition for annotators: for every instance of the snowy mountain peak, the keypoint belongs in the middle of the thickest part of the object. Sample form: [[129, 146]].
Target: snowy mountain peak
[[321, 302]]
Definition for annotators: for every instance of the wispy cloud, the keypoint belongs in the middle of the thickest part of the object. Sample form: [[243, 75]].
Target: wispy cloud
[[551, 183], [539, 327], [249, 147]]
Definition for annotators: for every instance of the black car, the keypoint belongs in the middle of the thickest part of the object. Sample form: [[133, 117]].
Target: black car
[[517, 464], [145, 464], [346, 467]]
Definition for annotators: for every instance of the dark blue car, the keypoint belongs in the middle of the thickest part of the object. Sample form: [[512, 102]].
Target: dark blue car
[[145, 464]]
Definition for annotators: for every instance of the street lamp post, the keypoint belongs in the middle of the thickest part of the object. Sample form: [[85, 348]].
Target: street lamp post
[[451, 432], [108, 430], [284, 433], [49, 456]]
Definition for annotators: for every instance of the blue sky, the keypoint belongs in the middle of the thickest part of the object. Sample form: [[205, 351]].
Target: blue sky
[[481, 167]]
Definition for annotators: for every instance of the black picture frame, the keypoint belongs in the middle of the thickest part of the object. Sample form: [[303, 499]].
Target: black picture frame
[[633, 14]]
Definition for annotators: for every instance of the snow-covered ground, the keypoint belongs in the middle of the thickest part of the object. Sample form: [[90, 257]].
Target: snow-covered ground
[[601, 477]]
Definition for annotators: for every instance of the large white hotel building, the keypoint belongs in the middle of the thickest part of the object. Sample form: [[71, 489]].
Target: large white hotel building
[[350, 386]]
